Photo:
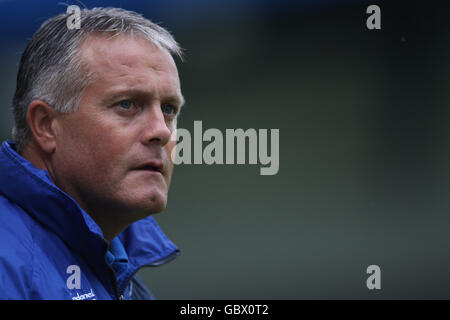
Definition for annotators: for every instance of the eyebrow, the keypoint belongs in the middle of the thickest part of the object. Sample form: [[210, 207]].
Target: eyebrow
[[173, 98]]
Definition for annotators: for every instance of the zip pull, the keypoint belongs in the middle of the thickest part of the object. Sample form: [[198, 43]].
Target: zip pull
[[121, 297]]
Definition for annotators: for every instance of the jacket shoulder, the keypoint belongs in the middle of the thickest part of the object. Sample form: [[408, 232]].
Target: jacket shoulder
[[16, 251]]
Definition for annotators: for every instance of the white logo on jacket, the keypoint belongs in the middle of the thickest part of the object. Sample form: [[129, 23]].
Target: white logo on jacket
[[90, 296]]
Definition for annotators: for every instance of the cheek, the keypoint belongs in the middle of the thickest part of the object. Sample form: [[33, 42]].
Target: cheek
[[95, 146], [107, 151]]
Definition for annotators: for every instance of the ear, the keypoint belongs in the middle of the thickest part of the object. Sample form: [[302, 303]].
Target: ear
[[41, 119]]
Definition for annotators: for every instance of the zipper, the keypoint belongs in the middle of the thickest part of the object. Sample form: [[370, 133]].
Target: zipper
[[157, 263], [114, 281], [111, 270], [120, 295]]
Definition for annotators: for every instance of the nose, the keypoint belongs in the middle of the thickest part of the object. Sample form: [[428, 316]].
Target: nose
[[156, 129]]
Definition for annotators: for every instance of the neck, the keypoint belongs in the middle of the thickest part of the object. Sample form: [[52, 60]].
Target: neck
[[40, 160]]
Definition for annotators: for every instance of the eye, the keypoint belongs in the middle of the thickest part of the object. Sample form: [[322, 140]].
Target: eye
[[126, 104], [168, 109]]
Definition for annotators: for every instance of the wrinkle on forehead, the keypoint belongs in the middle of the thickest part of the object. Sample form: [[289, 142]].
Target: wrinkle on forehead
[[97, 52], [126, 61]]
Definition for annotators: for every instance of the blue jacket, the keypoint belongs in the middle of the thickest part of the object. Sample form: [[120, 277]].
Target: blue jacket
[[51, 249]]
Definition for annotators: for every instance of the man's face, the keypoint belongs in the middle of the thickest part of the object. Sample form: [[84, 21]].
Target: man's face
[[114, 153]]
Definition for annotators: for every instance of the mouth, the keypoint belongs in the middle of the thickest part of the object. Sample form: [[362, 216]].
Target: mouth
[[150, 166]]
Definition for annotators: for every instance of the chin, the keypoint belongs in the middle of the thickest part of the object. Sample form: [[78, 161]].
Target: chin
[[152, 203]]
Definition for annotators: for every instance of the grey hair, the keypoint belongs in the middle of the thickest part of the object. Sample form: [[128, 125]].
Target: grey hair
[[51, 69]]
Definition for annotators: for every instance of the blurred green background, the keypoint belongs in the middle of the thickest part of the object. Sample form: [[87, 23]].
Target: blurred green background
[[364, 146]]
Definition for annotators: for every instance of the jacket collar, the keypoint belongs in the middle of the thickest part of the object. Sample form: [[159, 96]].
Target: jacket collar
[[34, 191]]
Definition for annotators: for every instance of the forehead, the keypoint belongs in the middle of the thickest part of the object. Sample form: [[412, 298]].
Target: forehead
[[129, 60]]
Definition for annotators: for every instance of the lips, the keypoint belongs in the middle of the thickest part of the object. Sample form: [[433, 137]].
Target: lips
[[151, 166]]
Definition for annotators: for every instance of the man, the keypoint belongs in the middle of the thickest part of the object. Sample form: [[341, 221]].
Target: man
[[94, 111]]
